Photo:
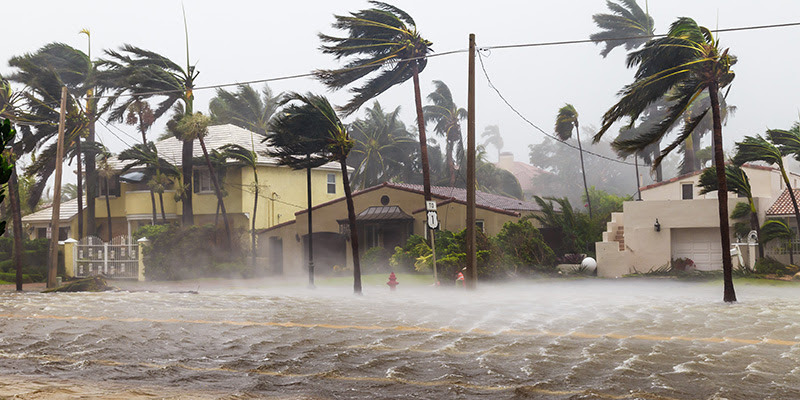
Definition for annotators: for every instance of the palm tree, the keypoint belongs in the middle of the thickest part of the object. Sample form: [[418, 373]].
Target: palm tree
[[627, 25], [687, 62], [493, 137], [308, 133], [738, 183], [447, 116], [759, 149], [566, 120], [134, 74], [383, 147], [776, 229], [382, 40], [141, 115], [250, 159], [245, 108], [145, 156], [106, 172], [8, 174]]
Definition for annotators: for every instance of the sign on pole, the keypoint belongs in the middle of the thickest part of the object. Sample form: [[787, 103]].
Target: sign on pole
[[430, 205], [433, 220]]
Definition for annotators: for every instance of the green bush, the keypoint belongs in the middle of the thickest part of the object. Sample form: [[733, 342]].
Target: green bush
[[769, 265], [411, 257], [34, 256], [26, 278], [523, 247], [192, 252]]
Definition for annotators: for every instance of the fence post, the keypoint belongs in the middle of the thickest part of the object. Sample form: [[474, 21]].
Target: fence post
[[70, 257], [143, 242]]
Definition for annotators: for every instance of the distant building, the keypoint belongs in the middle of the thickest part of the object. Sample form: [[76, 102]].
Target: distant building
[[522, 171]]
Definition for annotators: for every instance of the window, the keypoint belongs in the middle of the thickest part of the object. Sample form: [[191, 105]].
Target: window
[[687, 191], [202, 181], [331, 183], [110, 185], [479, 224]]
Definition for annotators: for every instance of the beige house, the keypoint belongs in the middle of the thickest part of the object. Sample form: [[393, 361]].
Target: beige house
[[386, 215], [524, 172], [674, 221]]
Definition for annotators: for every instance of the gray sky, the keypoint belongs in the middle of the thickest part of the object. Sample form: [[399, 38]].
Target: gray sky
[[235, 41]]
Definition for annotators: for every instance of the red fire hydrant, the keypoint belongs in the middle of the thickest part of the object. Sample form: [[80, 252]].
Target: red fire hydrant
[[392, 281]]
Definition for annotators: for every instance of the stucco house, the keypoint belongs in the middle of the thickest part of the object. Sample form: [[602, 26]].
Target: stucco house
[[282, 191], [386, 215], [673, 220]]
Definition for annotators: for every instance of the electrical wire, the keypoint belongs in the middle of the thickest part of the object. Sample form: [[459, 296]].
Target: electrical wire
[[514, 109]]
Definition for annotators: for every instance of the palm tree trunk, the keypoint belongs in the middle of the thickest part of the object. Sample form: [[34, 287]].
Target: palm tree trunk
[[91, 179], [729, 294], [638, 184], [310, 228], [80, 187], [161, 201], [583, 170], [16, 215], [754, 225], [218, 191], [351, 217], [253, 219], [108, 208], [186, 160], [153, 202]]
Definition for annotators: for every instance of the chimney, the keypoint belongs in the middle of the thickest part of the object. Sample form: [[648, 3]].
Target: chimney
[[506, 160]]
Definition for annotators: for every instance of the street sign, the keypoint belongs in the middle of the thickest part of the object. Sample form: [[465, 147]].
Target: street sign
[[433, 220], [430, 205]]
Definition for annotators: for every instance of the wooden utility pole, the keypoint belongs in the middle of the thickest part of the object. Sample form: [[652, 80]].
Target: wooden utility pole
[[472, 270], [54, 222]]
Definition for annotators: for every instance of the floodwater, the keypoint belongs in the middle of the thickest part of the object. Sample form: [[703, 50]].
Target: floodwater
[[584, 339]]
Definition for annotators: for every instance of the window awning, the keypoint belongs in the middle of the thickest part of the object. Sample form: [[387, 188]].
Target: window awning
[[380, 213], [132, 177]]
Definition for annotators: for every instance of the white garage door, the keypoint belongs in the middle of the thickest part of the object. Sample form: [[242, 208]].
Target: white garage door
[[701, 245]]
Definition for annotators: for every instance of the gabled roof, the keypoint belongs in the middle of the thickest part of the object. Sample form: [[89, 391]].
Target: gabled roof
[[68, 211], [218, 135], [783, 205]]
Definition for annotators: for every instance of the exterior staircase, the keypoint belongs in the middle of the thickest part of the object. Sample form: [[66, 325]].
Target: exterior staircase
[[620, 237]]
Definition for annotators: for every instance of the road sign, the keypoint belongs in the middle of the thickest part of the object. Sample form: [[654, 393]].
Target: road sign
[[433, 220], [430, 205]]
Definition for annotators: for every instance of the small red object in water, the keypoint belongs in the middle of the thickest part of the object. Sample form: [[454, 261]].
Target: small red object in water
[[392, 281]]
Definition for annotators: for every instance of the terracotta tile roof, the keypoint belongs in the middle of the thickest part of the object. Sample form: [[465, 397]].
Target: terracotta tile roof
[[783, 205]]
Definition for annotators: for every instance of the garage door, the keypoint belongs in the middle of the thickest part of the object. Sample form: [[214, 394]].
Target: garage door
[[701, 245]]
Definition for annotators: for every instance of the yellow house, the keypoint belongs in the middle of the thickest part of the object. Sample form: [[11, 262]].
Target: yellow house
[[282, 191], [386, 215]]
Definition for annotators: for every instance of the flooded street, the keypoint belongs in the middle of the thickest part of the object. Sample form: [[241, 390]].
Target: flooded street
[[584, 339]]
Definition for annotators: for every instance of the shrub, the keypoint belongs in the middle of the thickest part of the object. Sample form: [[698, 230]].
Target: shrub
[[682, 264], [571, 258], [375, 259], [412, 256], [523, 247], [769, 265]]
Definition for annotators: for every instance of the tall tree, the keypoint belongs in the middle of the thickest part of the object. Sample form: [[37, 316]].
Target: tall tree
[[107, 173], [627, 25], [383, 147], [141, 115], [157, 171], [382, 41], [245, 108], [249, 159], [688, 61], [777, 229], [447, 116], [493, 137], [566, 121], [134, 74], [308, 133]]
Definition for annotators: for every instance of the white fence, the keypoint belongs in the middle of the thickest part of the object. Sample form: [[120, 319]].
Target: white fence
[[115, 259]]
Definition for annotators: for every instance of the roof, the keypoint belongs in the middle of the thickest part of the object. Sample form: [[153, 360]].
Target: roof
[[382, 213], [783, 205], [524, 173], [493, 202], [690, 174], [68, 211], [218, 135]]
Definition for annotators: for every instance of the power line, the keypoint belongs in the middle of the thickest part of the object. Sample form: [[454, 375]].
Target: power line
[[491, 84]]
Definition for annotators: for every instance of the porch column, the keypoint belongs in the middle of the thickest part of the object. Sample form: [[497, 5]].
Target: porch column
[[143, 242]]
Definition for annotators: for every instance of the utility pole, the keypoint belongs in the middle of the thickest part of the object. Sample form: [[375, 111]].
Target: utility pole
[[472, 270], [54, 222]]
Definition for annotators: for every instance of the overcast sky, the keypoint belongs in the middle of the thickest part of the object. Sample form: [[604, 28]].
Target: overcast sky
[[236, 41]]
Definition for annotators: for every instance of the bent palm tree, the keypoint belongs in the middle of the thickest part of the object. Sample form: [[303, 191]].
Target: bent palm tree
[[566, 120], [627, 25], [493, 137], [447, 116], [776, 229], [687, 62], [384, 41], [145, 156], [759, 149], [245, 108], [250, 159], [738, 183], [308, 133]]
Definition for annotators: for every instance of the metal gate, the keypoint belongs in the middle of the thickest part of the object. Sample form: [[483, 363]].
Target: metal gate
[[115, 259]]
